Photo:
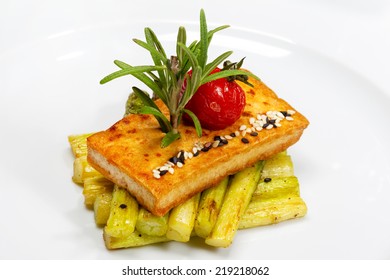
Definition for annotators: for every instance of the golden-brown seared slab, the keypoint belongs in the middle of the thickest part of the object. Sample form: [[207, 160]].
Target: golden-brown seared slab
[[128, 151]]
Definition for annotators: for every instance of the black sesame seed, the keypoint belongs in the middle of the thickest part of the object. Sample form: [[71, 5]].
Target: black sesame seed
[[123, 206], [181, 158], [224, 141], [267, 180], [216, 138], [196, 154], [206, 149], [174, 160], [163, 172], [271, 121], [244, 140], [220, 144], [265, 125], [232, 134], [254, 133], [284, 113]]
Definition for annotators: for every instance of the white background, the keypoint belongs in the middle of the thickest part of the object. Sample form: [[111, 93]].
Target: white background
[[330, 59]]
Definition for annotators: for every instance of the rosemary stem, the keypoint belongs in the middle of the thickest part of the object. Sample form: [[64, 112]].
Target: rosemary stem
[[174, 122]]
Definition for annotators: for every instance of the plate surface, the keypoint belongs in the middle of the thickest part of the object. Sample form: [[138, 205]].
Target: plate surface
[[49, 89]]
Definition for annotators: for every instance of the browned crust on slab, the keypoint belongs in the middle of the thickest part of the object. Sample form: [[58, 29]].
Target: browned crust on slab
[[128, 151]]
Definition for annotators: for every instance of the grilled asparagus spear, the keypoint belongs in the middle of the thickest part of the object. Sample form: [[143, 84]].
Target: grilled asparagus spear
[[182, 219], [209, 207], [150, 224], [123, 214], [234, 205]]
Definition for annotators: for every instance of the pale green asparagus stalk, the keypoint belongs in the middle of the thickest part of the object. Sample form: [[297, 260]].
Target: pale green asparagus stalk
[[102, 208], [150, 224], [272, 211], [123, 214], [78, 144], [83, 170], [236, 201], [135, 239], [95, 186], [182, 219], [279, 165], [209, 207], [276, 187]]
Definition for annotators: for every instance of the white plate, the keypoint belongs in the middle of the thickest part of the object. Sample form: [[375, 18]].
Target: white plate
[[49, 89]]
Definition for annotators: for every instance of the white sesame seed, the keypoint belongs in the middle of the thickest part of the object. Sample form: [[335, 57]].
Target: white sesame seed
[[228, 137], [179, 164], [237, 133], [190, 155], [243, 133], [258, 116], [178, 154], [270, 113], [280, 115], [259, 128], [171, 170], [222, 137], [252, 120], [289, 118], [194, 150], [253, 129], [169, 163], [216, 143], [242, 127], [248, 130], [163, 168], [278, 124], [269, 126], [185, 155], [157, 176], [291, 112]]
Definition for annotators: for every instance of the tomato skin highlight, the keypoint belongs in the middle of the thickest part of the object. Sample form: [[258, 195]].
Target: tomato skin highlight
[[217, 104]]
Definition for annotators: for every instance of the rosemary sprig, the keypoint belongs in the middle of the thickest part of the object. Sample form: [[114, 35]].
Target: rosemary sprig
[[169, 80]]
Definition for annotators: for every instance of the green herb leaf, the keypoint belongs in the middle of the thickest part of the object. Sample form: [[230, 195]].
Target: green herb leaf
[[204, 42], [157, 113], [153, 51], [169, 138], [195, 81], [130, 71], [192, 58], [196, 121], [227, 73], [211, 33], [152, 84], [152, 108], [181, 38], [212, 65], [153, 42], [157, 43]]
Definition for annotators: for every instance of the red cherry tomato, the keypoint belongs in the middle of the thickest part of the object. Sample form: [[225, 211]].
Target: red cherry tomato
[[217, 104]]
